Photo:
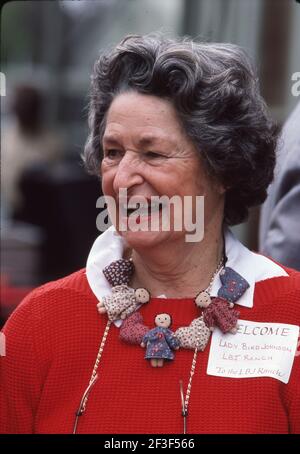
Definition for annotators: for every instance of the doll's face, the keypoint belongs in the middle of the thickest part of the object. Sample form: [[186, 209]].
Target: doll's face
[[203, 300], [142, 295], [163, 320]]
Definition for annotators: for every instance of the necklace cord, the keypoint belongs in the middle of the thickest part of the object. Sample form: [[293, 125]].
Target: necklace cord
[[93, 379], [185, 401]]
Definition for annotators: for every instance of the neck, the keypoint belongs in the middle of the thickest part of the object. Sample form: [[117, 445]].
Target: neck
[[178, 269]]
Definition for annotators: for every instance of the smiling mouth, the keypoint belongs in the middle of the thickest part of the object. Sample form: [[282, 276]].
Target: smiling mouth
[[145, 210], [141, 209]]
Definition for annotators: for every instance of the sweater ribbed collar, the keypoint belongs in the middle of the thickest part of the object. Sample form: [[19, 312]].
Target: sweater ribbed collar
[[253, 267]]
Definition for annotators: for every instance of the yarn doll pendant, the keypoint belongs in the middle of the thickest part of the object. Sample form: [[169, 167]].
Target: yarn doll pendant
[[160, 341], [218, 312], [122, 302]]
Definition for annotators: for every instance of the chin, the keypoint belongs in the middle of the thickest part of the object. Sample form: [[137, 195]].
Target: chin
[[142, 240]]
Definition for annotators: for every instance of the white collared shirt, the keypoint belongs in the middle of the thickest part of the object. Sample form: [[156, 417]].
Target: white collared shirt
[[110, 246]]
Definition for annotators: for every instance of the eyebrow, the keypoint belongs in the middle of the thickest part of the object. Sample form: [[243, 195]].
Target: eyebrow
[[110, 139]]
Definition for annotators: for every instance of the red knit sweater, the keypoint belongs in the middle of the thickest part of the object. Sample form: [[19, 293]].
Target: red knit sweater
[[52, 341]]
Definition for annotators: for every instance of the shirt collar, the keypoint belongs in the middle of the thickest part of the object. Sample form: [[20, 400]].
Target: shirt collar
[[110, 246]]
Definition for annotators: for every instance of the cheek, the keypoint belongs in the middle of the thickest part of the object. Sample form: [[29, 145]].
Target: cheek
[[200, 189], [107, 179], [102, 168], [204, 185], [193, 180], [104, 185]]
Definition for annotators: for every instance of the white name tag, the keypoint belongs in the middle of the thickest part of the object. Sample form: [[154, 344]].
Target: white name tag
[[256, 350]]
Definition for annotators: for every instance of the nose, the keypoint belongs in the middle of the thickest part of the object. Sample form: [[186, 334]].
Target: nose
[[128, 172]]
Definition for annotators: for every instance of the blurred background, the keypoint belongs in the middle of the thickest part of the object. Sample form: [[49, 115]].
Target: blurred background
[[48, 202]]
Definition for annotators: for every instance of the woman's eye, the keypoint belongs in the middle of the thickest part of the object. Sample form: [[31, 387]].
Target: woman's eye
[[153, 155], [112, 154]]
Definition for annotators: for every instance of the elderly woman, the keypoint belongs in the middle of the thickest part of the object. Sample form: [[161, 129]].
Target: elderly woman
[[161, 333]]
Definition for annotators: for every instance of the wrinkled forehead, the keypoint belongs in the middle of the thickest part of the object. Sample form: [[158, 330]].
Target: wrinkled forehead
[[148, 118]]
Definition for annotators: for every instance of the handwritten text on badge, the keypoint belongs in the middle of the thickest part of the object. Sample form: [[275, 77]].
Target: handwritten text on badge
[[257, 350]]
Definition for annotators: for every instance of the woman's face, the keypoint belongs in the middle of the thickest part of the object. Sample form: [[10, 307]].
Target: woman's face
[[147, 154]]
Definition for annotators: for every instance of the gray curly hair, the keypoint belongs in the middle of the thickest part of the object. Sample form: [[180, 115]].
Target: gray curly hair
[[215, 92]]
